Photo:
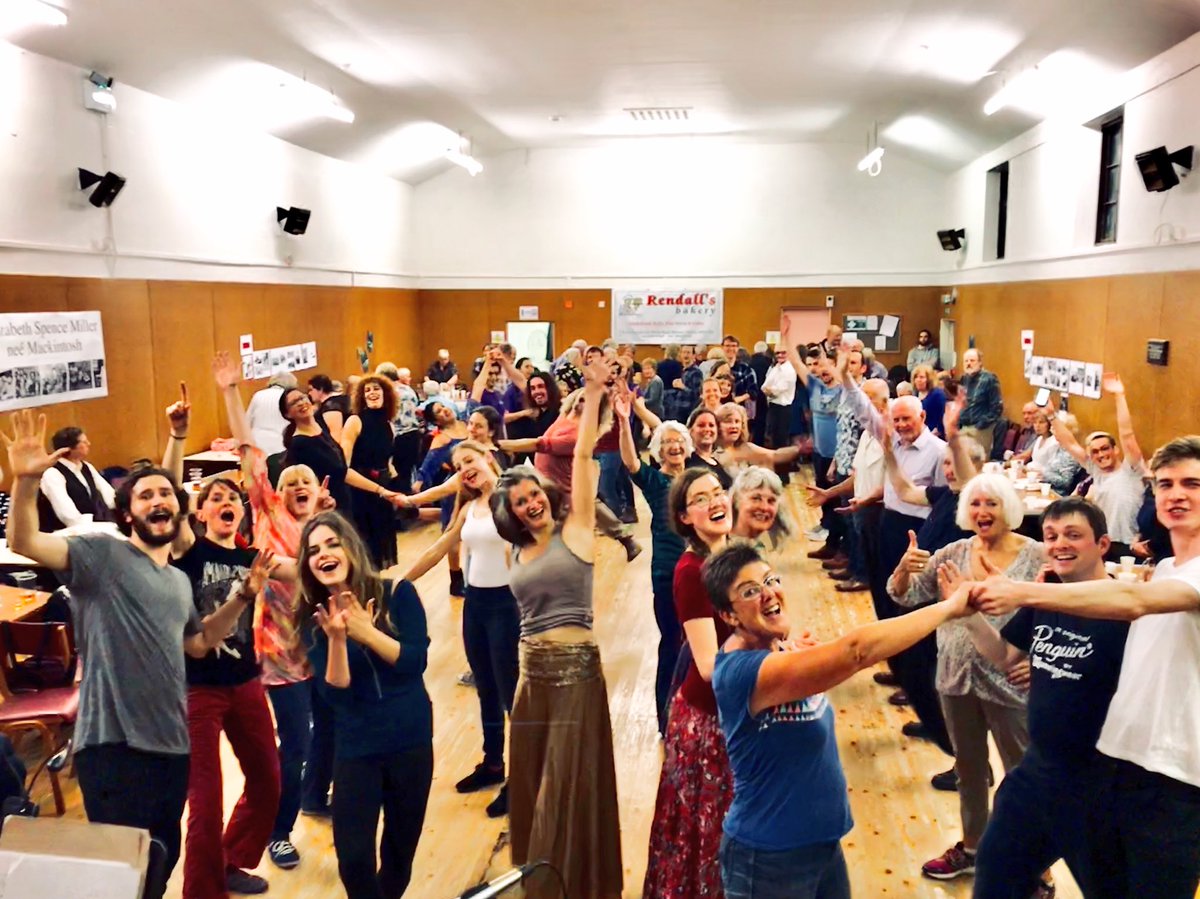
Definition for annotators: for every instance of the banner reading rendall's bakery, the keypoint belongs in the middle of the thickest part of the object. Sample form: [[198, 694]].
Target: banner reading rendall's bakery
[[667, 316], [50, 357]]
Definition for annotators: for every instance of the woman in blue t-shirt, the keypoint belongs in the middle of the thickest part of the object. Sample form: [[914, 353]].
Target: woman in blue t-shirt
[[368, 648], [790, 808]]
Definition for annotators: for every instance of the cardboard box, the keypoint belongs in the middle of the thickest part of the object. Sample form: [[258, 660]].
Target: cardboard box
[[56, 858]]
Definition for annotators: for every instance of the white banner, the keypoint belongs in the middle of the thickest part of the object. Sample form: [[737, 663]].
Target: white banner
[[50, 357], [667, 316]]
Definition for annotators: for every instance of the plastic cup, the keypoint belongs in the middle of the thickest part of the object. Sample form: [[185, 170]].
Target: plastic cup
[[1111, 568], [1127, 563], [1045, 488]]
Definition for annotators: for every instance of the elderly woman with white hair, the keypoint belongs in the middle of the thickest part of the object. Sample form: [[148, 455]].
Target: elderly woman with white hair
[[670, 446], [758, 506], [976, 696]]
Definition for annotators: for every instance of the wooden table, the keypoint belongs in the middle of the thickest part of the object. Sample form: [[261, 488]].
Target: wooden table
[[18, 605], [208, 463]]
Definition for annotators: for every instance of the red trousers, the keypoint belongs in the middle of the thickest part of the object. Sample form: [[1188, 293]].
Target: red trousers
[[242, 713]]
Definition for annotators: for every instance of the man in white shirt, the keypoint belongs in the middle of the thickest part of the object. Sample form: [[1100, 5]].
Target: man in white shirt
[[1144, 826], [266, 420], [779, 387], [72, 492], [1115, 467]]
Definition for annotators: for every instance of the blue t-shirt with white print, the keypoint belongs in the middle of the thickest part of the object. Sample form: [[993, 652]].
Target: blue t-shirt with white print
[[788, 786]]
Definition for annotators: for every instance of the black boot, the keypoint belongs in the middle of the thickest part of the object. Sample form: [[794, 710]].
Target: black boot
[[457, 586]]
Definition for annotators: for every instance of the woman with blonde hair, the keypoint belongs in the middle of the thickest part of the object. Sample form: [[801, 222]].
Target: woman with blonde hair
[[977, 697], [759, 507], [490, 622], [734, 449]]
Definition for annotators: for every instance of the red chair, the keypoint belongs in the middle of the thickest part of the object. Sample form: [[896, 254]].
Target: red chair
[[47, 712]]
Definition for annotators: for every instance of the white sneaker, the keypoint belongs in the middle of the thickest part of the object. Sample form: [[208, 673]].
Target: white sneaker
[[817, 534]]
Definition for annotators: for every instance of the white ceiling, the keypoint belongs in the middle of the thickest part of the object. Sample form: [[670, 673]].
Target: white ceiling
[[536, 73]]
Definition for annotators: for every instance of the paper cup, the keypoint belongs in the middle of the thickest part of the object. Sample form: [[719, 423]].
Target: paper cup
[[1127, 562], [1045, 488]]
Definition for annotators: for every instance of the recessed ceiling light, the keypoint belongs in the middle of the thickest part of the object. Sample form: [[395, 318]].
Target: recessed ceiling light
[[16, 14]]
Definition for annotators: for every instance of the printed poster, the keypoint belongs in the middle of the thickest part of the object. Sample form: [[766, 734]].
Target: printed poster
[[667, 316], [51, 357]]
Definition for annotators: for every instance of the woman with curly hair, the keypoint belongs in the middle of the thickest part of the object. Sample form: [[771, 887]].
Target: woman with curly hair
[[367, 441]]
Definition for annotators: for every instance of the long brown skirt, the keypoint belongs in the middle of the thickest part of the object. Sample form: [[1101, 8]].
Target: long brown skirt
[[562, 784]]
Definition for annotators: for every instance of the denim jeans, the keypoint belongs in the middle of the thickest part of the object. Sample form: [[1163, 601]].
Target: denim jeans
[[304, 723], [817, 871], [615, 488], [491, 627]]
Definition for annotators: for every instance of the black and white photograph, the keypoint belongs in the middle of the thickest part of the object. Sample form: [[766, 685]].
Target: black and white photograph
[[79, 375], [29, 383], [8, 385], [54, 379], [98, 373], [1078, 370]]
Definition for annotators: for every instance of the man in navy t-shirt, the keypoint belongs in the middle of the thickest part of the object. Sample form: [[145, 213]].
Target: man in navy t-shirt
[[1073, 667]]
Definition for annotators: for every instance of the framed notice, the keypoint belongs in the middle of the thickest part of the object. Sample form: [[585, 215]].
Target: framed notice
[[667, 316], [51, 357]]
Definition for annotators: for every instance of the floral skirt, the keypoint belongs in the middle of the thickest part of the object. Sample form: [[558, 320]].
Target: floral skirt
[[694, 792]]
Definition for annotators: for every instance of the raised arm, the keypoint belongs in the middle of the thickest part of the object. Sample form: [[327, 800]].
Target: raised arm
[[1110, 599], [28, 460], [514, 373], [648, 418], [583, 468], [906, 490], [794, 359], [621, 403], [519, 445], [1066, 439], [178, 414], [1129, 443], [790, 676]]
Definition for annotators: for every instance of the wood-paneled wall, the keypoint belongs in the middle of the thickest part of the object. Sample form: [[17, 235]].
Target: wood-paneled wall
[[1105, 320], [461, 320], [158, 333]]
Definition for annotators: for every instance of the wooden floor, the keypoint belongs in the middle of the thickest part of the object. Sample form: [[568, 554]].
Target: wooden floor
[[900, 820]]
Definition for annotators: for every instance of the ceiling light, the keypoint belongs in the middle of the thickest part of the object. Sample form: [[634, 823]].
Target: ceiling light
[[317, 101], [17, 14], [468, 162], [872, 163]]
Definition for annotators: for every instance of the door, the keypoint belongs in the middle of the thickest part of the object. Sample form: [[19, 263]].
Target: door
[[808, 325], [949, 357], [533, 339]]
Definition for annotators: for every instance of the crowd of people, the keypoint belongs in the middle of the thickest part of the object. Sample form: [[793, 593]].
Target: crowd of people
[[269, 607]]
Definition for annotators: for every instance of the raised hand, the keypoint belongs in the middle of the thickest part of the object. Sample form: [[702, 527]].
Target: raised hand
[[998, 595], [261, 570], [595, 376], [27, 456], [226, 372], [950, 416], [179, 411], [1111, 382], [914, 559], [360, 620], [950, 578], [622, 398], [325, 502], [332, 621]]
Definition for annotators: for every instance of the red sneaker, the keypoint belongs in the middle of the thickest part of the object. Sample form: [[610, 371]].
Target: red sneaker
[[954, 862]]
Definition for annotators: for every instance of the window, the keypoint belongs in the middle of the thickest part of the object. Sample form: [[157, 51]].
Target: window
[[1110, 180], [996, 223]]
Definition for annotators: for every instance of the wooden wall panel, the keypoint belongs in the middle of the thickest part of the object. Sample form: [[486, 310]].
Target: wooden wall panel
[[1105, 320], [181, 333]]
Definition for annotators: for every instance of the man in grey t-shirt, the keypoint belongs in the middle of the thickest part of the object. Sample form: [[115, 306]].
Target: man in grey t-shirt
[[134, 619]]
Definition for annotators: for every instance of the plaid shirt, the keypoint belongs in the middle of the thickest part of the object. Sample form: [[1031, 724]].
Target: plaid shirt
[[745, 381], [678, 404]]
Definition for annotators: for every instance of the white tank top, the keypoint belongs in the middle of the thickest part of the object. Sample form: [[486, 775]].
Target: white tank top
[[487, 560]]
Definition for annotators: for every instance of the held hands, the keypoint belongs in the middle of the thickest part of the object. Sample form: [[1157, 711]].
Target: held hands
[[27, 456], [816, 495], [950, 578], [226, 372], [998, 595], [958, 603], [179, 411], [914, 559]]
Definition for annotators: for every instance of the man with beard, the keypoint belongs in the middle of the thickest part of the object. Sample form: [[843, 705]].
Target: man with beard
[[542, 402], [134, 618], [225, 694], [924, 353]]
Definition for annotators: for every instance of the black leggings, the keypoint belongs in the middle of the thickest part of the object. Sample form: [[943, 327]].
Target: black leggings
[[491, 628], [126, 786], [397, 783]]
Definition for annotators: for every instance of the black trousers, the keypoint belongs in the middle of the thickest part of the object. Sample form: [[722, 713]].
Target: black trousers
[[1143, 835], [406, 452], [121, 785], [778, 426], [670, 641], [491, 631], [396, 784], [830, 520], [1037, 818], [916, 667]]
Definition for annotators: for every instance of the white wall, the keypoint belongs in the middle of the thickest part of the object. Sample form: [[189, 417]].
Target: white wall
[[200, 199], [1054, 183], [681, 209]]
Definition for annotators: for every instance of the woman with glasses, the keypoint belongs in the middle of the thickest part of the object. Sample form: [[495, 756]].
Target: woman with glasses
[[696, 786], [783, 831]]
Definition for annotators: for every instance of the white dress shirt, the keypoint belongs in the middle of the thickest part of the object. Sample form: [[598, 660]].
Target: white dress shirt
[[54, 486], [780, 378], [266, 424]]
